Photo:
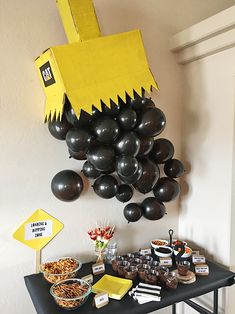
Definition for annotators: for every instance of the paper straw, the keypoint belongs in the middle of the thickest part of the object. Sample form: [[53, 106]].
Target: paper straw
[[148, 296], [142, 300], [141, 284], [147, 290]]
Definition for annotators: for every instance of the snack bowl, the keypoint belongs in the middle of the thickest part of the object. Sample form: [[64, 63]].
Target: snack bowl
[[115, 261], [162, 273], [70, 294], [60, 269], [171, 280], [120, 267], [175, 241], [156, 243], [188, 252], [151, 277], [163, 251], [183, 267], [130, 272], [142, 270]]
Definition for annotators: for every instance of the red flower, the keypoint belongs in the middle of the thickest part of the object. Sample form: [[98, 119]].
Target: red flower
[[108, 236], [97, 231], [93, 236]]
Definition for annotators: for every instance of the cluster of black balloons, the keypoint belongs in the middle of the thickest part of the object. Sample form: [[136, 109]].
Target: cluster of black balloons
[[119, 139]]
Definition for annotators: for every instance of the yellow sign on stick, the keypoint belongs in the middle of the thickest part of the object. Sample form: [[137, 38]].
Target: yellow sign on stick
[[38, 230]]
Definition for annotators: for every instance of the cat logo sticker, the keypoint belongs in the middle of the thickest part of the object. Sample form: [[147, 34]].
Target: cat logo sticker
[[47, 74]]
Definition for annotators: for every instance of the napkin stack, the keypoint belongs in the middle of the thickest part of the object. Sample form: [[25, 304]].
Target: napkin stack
[[144, 293]]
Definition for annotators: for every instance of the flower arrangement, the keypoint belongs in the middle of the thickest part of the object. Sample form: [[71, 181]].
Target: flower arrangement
[[101, 236]]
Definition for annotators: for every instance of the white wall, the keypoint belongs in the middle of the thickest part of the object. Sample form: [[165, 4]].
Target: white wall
[[30, 156], [208, 147], [206, 214]]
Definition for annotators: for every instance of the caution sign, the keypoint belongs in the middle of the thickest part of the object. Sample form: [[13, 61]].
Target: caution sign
[[38, 230]]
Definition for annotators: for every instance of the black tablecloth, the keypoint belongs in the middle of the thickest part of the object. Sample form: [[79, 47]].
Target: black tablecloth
[[38, 289]]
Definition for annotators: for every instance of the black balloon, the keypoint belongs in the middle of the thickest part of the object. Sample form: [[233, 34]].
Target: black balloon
[[106, 129], [106, 186], [128, 144], [149, 176], [126, 165], [84, 119], [127, 118], [149, 103], [95, 113], [134, 178], [132, 212], [101, 157], [162, 151], [166, 189], [174, 168], [78, 139], [124, 193], [59, 129], [113, 111], [90, 171], [70, 115], [153, 209], [111, 170], [137, 102], [151, 122], [80, 155], [67, 185], [146, 145]]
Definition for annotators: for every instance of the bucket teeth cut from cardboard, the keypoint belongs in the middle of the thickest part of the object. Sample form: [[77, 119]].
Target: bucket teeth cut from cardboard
[[92, 71]]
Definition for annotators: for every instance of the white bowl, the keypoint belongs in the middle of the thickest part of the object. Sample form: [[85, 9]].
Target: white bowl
[[161, 254], [160, 244], [185, 255], [174, 240]]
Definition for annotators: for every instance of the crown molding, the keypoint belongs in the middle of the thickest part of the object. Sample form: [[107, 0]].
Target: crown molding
[[212, 35]]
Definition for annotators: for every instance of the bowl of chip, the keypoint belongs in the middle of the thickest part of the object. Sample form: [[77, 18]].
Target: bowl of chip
[[70, 294], [187, 253], [175, 241], [60, 269], [158, 243]]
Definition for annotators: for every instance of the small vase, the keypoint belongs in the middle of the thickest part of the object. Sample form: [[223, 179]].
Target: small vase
[[100, 253]]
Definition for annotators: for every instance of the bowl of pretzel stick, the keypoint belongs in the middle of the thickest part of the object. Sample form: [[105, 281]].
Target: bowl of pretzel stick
[[70, 294], [60, 269]]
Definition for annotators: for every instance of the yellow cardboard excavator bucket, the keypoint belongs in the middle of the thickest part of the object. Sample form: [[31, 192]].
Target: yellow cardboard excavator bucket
[[91, 68]]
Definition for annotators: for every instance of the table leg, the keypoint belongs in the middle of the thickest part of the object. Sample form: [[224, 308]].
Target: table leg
[[215, 308], [173, 308], [200, 309]]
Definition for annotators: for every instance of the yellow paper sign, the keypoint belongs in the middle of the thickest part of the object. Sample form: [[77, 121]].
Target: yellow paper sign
[[38, 230]]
